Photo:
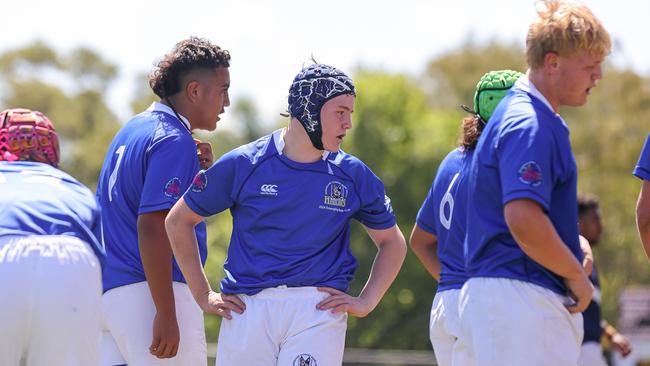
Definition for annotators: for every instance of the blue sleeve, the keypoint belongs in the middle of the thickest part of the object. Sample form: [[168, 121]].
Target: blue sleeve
[[213, 190], [526, 164], [642, 169], [426, 218], [172, 162], [375, 211]]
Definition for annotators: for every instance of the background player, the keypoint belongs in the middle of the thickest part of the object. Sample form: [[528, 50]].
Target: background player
[[149, 164], [438, 235], [522, 247], [595, 327], [642, 171], [292, 195], [50, 272]]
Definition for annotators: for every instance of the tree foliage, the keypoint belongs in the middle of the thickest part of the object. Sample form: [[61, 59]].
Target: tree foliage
[[404, 125]]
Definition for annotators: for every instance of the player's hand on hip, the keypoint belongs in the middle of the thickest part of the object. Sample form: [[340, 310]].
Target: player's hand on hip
[[340, 302], [581, 290], [166, 336], [222, 304]]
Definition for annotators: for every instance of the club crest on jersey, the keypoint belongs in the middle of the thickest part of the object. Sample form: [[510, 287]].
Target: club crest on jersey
[[173, 188], [304, 360], [200, 182], [530, 174], [335, 194]]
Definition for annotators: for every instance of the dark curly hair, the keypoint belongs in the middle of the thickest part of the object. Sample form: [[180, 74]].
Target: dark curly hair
[[470, 131], [188, 55], [586, 203]]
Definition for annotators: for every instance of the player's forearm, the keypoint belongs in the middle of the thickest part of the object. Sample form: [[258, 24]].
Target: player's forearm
[[156, 256], [643, 216], [425, 247], [182, 238], [387, 264], [537, 237]]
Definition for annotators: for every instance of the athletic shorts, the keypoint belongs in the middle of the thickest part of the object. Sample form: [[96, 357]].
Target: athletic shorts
[[128, 314], [444, 330], [591, 354], [512, 323], [281, 326], [50, 290]]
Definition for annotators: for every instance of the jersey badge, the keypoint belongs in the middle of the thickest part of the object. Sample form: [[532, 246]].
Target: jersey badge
[[200, 182], [530, 174], [173, 188]]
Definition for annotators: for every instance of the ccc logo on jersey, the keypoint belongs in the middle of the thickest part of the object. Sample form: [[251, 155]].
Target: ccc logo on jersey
[[269, 189]]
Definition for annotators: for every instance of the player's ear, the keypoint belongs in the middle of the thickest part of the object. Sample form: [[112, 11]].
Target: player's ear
[[192, 90], [551, 62]]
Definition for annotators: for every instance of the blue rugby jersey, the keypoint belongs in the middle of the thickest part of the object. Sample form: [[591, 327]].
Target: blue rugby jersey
[[39, 199], [443, 214], [642, 169], [523, 153], [291, 221], [591, 316], [148, 166]]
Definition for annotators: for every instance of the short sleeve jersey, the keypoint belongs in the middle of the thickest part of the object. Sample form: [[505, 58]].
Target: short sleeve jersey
[[39, 199], [642, 169], [523, 153], [291, 221], [443, 214], [148, 166]]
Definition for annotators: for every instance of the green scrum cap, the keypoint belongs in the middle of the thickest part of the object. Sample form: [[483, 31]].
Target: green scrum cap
[[492, 87]]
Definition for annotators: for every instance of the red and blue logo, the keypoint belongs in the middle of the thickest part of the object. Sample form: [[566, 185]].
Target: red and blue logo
[[200, 182], [530, 174], [173, 188]]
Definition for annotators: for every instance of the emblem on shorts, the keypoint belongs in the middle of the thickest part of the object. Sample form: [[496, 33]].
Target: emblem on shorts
[[200, 182], [304, 360], [269, 189], [173, 188], [530, 174]]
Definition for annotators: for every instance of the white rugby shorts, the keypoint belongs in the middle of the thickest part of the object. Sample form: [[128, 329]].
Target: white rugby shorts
[[51, 289], [512, 323], [128, 314], [281, 326], [444, 330]]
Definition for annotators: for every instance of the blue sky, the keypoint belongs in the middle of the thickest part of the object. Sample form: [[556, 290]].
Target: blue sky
[[270, 40]]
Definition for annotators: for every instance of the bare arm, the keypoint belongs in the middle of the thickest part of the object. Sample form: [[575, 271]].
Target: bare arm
[[618, 342], [588, 261], [180, 225], [425, 247], [537, 237], [388, 261], [643, 216], [156, 256]]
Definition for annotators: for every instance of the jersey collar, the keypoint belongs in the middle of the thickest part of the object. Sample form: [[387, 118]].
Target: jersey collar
[[159, 107], [526, 85], [278, 140]]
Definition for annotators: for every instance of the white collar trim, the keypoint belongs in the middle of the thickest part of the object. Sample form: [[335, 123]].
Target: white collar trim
[[278, 140], [159, 107]]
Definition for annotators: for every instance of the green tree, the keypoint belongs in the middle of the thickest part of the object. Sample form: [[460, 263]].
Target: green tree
[[403, 141], [70, 90]]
